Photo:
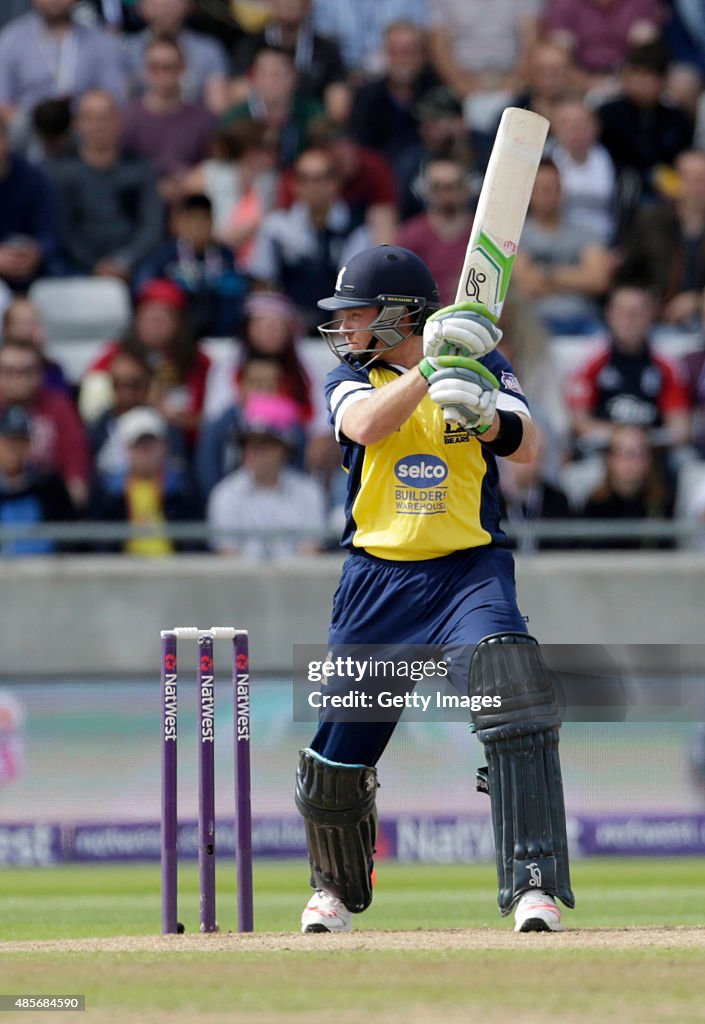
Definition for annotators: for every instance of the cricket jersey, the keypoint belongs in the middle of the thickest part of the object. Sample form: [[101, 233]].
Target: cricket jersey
[[428, 489]]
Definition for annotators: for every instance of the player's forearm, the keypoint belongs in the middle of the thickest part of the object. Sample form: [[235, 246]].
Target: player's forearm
[[374, 418], [529, 447]]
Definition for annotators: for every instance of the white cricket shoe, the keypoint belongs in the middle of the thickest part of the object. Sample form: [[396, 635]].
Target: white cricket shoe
[[325, 913], [537, 912]]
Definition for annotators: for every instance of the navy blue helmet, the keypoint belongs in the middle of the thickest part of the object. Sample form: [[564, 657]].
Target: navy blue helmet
[[394, 279]]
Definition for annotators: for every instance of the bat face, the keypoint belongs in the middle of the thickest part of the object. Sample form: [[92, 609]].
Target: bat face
[[501, 208]]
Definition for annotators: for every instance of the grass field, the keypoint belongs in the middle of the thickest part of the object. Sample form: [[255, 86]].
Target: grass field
[[433, 948]]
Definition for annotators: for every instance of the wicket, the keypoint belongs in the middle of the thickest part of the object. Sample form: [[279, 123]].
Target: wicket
[[205, 639]]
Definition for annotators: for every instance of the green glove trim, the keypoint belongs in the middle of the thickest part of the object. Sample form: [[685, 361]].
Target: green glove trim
[[465, 307], [463, 362]]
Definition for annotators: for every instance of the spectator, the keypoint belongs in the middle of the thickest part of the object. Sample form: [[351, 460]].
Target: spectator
[[586, 170], [367, 185], [240, 179], [528, 495], [633, 488], [440, 236], [27, 218], [694, 367], [639, 129], [27, 495], [131, 380], [45, 55], [683, 88], [117, 14], [275, 101], [366, 180], [205, 79], [549, 79], [52, 123], [564, 269], [264, 496], [384, 114], [482, 59], [271, 331], [110, 215], [161, 126], [626, 382], [201, 267], [149, 492], [22, 322], [299, 251], [664, 249], [359, 28], [600, 34], [699, 130], [161, 334], [218, 451], [319, 65], [271, 328], [443, 134], [59, 441], [527, 346], [685, 33]]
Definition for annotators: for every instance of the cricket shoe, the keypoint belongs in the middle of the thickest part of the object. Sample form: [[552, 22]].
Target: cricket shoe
[[537, 912], [325, 913]]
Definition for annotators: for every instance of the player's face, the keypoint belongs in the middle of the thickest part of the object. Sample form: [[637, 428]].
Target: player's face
[[354, 326]]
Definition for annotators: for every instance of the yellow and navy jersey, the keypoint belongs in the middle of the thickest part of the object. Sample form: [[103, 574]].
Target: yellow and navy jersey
[[429, 488]]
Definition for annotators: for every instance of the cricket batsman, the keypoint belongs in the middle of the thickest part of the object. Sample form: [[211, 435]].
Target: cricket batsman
[[427, 565]]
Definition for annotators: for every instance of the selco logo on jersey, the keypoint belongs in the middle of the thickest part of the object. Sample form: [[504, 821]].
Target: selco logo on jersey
[[421, 490], [421, 470]]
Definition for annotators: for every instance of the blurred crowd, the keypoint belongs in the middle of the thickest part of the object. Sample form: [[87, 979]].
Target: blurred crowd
[[217, 162]]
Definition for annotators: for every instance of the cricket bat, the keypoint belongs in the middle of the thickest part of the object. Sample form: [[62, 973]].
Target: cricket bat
[[501, 212], [501, 208]]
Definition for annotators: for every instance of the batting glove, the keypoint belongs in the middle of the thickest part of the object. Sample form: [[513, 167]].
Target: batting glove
[[465, 329], [465, 389]]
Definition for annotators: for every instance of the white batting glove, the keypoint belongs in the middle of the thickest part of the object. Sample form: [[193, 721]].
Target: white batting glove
[[465, 389], [464, 329]]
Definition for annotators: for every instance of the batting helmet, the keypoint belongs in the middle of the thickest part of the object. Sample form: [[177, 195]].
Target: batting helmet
[[394, 279]]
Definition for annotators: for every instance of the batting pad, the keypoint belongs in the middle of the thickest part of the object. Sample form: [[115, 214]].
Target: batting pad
[[524, 772], [337, 802]]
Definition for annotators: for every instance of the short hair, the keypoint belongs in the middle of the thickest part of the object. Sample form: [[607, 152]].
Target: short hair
[[196, 201], [164, 39], [278, 52], [52, 118], [648, 57], [546, 161]]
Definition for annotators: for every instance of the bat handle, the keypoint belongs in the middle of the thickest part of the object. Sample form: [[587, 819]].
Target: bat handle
[[451, 415]]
